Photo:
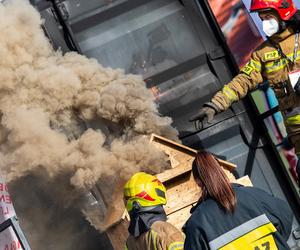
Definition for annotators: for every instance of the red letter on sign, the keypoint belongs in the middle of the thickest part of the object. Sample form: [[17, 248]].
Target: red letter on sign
[[13, 246], [7, 199], [2, 198]]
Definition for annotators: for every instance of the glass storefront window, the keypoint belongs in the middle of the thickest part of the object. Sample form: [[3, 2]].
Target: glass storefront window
[[157, 39], [77, 8], [145, 40]]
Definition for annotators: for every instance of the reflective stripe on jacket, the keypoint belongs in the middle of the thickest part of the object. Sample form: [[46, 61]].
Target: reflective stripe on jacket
[[266, 63], [162, 236], [256, 232], [260, 221]]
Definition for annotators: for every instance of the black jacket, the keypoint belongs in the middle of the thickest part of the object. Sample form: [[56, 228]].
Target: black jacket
[[209, 226]]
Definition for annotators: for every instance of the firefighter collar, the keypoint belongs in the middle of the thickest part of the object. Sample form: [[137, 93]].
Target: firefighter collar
[[141, 221], [277, 38], [280, 52]]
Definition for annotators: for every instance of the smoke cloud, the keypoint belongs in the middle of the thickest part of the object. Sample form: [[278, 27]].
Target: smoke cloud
[[67, 116]]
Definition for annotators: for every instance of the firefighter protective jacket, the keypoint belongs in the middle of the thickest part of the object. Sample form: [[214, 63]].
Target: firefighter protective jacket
[[161, 236], [260, 221], [267, 63]]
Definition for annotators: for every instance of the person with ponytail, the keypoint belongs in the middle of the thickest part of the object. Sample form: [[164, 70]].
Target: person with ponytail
[[231, 216]]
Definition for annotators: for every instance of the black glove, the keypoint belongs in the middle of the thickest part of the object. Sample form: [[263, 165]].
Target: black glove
[[208, 111]]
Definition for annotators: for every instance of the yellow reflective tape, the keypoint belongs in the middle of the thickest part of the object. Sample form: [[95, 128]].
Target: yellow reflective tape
[[275, 66], [280, 64], [154, 237], [247, 69], [178, 245], [266, 242], [230, 94], [250, 66], [271, 55], [246, 241], [255, 64], [291, 56], [293, 120]]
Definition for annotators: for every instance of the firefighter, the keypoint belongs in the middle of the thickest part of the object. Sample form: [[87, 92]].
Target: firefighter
[[144, 197], [276, 60], [231, 216]]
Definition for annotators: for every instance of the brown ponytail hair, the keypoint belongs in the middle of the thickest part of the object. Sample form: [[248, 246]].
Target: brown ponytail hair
[[214, 183]]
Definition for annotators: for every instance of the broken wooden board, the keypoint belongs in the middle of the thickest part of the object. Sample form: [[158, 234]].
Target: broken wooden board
[[115, 208], [179, 153], [245, 181]]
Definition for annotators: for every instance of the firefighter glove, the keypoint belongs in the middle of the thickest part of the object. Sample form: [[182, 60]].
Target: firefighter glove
[[208, 112]]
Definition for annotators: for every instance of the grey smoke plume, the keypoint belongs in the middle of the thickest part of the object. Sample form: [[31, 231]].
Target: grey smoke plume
[[46, 99], [68, 115]]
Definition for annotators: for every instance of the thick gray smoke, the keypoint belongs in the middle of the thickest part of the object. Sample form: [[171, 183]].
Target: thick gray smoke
[[67, 116]]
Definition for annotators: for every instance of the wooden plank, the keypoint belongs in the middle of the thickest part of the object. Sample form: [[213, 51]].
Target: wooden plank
[[184, 149], [183, 198], [175, 172], [179, 218], [115, 209], [245, 181], [172, 144], [181, 193], [230, 176], [176, 156], [184, 168]]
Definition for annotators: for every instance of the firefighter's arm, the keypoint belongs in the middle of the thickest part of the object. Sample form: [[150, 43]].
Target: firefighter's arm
[[248, 78]]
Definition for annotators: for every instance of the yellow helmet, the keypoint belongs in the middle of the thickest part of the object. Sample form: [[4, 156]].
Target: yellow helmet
[[145, 189]]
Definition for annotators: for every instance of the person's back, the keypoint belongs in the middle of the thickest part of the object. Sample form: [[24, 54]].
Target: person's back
[[161, 236], [257, 216], [231, 216]]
